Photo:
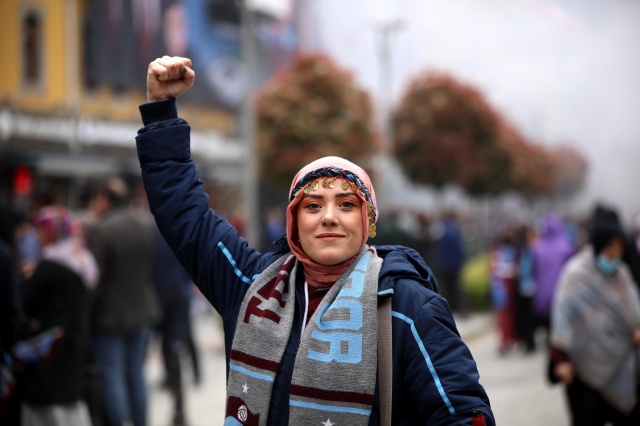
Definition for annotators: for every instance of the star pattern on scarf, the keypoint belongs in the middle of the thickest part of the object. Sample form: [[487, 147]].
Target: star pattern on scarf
[[328, 423], [245, 388]]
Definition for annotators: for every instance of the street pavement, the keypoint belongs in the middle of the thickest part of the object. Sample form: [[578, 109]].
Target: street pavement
[[515, 382]]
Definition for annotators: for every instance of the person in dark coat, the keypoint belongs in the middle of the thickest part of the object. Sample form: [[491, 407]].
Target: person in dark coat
[[301, 329], [173, 287], [10, 312], [9, 296], [632, 251], [57, 295], [450, 255], [125, 306]]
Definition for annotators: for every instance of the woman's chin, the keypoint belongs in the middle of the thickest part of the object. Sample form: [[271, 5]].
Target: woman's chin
[[330, 259]]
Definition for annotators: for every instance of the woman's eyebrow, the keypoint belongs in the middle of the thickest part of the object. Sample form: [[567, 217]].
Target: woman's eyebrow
[[318, 196], [338, 195]]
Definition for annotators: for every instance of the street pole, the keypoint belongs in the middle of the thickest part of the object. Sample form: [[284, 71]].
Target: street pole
[[248, 129], [385, 30]]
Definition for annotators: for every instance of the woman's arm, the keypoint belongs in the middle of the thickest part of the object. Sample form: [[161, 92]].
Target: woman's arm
[[220, 262], [440, 376]]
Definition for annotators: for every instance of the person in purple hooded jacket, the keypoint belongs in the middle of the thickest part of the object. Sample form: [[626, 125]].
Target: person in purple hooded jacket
[[550, 252]]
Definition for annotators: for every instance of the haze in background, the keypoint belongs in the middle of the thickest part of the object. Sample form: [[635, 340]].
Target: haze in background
[[565, 71]]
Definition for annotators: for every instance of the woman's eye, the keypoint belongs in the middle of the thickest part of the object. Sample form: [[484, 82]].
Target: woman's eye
[[348, 205], [312, 206]]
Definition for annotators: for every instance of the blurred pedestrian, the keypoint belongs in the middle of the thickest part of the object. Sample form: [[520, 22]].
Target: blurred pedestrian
[[503, 269], [424, 243], [10, 312], [595, 330], [301, 329], [173, 286], [274, 226], [450, 259], [28, 246], [57, 295], [526, 288], [125, 306], [550, 252], [632, 251]]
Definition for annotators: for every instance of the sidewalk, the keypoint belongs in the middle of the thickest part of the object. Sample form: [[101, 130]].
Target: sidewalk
[[205, 403], [474, 325]]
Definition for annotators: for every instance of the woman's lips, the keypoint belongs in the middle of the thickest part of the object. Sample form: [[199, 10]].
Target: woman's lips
[[329, 236]]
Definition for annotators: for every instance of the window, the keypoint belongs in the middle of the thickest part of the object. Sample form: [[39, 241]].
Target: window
[[32, 29]]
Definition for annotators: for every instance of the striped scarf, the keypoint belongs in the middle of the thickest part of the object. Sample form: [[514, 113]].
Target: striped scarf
[[334, 373]]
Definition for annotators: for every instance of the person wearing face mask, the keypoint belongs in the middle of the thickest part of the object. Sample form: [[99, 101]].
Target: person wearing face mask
[[595, 330], [300, 323]]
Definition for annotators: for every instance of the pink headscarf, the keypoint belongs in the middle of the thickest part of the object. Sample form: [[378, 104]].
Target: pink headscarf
[[55, 221], [316, 274], [66, 248]]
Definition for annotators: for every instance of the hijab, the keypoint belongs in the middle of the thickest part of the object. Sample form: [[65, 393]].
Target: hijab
[[66, 248], [316, 274]]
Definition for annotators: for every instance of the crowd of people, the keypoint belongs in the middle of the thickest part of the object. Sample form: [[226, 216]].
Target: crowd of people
[[82, 294], [524, 269], [91, 287], [325, 328], [579, 285]]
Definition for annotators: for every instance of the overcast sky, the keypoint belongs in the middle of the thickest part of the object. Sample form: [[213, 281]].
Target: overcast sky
[[563, 71]]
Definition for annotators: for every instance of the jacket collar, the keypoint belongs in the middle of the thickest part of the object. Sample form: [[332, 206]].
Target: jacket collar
[[403, 263]]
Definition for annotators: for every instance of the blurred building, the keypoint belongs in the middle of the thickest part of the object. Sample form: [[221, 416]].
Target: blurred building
[[74, 75]]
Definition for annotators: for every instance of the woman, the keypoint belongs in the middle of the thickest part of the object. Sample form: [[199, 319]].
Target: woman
[[300, 324], [595, 330], [57, 295]]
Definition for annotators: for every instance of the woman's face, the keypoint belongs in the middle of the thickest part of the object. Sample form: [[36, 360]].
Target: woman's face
[[614, 249], [330, 224]]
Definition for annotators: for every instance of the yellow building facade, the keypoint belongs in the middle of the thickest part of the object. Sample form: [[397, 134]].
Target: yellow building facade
[[52, 123]]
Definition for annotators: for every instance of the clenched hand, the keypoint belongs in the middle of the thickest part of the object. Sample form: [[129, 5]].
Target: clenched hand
[[169, 77]]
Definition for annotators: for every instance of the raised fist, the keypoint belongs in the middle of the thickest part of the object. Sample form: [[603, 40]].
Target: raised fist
[[169, 77]]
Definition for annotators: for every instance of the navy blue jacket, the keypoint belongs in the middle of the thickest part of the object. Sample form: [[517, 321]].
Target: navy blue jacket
[[435, 379]]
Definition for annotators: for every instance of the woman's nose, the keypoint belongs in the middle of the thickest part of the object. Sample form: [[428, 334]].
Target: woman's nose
[[329, 217]]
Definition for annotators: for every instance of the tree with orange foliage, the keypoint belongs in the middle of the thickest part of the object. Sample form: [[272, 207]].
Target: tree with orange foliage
[[447, 132], [310, 110]]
